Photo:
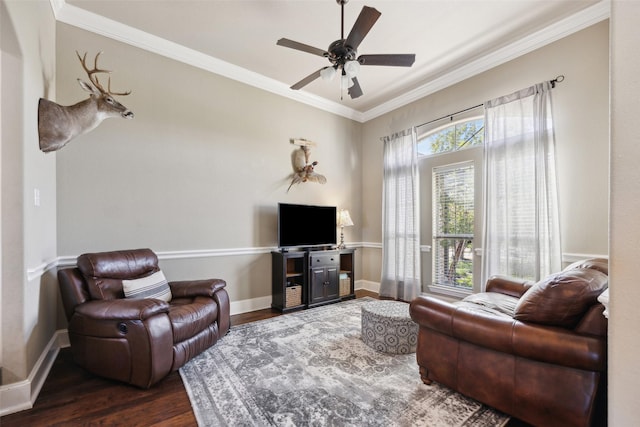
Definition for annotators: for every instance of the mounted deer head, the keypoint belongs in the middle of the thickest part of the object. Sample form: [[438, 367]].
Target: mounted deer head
[[57, 124]]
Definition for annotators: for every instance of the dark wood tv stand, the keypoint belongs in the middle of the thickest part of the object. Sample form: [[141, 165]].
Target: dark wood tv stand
[[309, 278]]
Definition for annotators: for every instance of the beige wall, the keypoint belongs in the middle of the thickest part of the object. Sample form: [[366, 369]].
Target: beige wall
[[624, 342], [241, 133], [581, 122], [202, 166], [28, 232]]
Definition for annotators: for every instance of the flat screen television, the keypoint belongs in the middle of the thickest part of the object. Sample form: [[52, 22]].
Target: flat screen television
[[303, 226]]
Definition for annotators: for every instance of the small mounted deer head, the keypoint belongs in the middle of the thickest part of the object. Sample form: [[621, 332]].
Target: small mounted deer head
[[57, 124]]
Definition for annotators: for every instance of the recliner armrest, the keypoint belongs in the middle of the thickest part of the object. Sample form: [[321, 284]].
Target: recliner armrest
[[508, 285], [194, 288], [122, 309]]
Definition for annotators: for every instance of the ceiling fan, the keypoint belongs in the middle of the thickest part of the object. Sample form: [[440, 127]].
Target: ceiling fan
[[343, 53]]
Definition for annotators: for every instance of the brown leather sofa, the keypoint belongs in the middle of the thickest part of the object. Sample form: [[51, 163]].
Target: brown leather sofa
[[138, 340], [535, 351]]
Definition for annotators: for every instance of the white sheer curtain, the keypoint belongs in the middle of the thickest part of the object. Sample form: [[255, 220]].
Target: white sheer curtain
[[521, 230], [400, 218]]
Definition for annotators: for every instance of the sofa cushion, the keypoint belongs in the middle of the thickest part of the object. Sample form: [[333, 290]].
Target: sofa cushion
[[493, 303], [562, 298], [104, 271], [600, 264], [152, 286], [124, 264]]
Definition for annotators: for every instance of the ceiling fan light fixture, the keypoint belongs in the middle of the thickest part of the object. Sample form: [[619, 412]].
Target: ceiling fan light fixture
[[351, 68], [346, 81], [328, 73]]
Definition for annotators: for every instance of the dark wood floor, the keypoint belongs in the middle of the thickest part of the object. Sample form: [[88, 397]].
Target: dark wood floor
[[73, 397]]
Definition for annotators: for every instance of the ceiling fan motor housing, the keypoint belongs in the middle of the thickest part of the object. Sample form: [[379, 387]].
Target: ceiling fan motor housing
[[339, 53]]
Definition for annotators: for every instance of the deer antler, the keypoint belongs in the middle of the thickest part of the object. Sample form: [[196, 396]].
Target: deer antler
[[116, 93], [94, 78]]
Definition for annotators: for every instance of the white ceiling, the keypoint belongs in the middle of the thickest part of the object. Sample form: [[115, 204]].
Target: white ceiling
[[452, 39]]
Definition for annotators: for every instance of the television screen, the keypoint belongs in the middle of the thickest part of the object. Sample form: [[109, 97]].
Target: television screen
[[306, 225]]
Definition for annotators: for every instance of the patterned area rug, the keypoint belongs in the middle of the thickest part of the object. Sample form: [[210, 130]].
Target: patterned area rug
[[310, 368]]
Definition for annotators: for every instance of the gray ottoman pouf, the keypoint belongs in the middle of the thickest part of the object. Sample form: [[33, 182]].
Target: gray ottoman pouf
[[387, 327]]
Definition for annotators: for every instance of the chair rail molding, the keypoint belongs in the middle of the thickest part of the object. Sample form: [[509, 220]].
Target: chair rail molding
[[70, 260]]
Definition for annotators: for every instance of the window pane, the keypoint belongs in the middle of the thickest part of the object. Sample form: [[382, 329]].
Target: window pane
[[470, 134], [453, 217], [453, 263], [452, 137]]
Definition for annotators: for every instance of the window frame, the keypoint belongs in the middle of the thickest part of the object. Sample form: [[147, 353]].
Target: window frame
[[438, 234], [426, 164]]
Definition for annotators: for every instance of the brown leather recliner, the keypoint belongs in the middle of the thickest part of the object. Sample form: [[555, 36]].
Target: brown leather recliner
[[535, 351], [132, 339]]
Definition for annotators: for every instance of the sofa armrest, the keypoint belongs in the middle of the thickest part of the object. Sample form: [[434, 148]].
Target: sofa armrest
[[122, 309], [432, 313], [195, 288], [508, 285], [560, 346]]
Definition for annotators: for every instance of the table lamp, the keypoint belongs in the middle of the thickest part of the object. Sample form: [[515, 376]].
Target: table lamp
[[344, 220]]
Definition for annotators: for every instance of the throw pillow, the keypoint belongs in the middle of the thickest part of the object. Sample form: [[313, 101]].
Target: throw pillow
[[562, 298], [152, 286]]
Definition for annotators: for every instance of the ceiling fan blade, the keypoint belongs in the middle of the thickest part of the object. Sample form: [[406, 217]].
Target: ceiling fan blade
[[368, 16], [311, 77], [301, 46], [393, 60], [355, 91]]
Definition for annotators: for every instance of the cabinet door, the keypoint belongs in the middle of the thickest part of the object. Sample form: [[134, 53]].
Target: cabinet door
[[318, 284], [332, 289], [324, 284]]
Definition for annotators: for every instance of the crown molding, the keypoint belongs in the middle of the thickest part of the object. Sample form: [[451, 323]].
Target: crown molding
[[572, 24], [89, 21], [83, 19]]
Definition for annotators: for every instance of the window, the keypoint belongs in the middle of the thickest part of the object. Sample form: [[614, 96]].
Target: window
[[451, 168], [453, 216]]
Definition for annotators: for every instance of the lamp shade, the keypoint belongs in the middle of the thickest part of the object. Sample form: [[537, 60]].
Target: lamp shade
[[344, 219], [328, 73], [351, 68]]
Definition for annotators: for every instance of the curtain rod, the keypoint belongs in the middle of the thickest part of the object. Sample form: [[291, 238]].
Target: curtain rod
[[553, 82], [558, 79], [451, 115]]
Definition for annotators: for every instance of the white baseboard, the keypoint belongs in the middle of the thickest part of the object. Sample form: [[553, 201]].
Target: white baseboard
[[247, 305], [368, 285], [16, 397]]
